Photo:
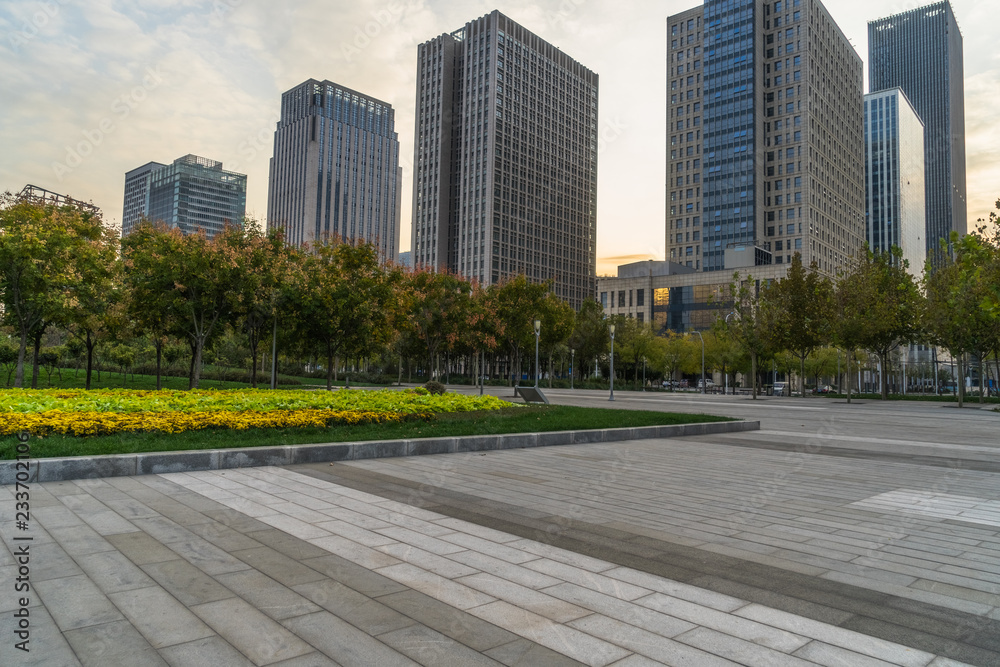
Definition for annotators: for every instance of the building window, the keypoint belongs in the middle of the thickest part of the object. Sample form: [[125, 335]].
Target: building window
[[640, 298]]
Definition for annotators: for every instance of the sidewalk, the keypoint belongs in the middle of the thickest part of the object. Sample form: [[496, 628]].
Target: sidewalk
[[700, 551]]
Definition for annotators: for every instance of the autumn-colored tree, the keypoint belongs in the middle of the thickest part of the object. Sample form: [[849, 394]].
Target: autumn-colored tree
[[96, 309], [149, 285], [342, 299], [39, 244], [634, 342], [264, 262], [439, 310]]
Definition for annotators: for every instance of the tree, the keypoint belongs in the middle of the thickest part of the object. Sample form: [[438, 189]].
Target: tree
[[38, 244], [149, 285], [439, 310], [889, 311], [343, 300], [754, 322], [634, 341], [518, 303], [722, 351], [590, 336], [803, 301], [263, 262], [97, 293], [957, 313], [557, 318], [672, 353]]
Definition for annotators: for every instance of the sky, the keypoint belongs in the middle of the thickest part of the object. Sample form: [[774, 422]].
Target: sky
[[90, 89]]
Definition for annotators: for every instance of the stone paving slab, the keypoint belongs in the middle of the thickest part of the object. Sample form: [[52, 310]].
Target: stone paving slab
[[176, 599]]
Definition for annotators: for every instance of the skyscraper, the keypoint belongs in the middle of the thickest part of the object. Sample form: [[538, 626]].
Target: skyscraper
[[335, 170], [895, 213], [193, 193], [764, 136], [920, 51], [505, 162]]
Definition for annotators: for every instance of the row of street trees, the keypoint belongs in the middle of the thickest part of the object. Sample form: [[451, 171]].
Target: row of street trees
[[246, 293], [876, 305]]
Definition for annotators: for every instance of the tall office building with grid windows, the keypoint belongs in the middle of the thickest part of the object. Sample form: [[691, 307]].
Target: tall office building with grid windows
[[920, 51], [505, 161], [193, 193], [764, 137], [335, 170]]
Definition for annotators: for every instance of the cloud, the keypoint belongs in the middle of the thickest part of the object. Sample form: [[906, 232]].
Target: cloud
[[225, 64]]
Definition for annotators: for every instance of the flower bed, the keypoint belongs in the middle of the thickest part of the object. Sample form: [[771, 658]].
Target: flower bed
[[102, 412]]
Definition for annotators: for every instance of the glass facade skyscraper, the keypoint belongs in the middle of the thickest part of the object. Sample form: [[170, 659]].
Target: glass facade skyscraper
[[192, 193], [730, 125], [335, 170], [895, 213], [765, 135], [505, 161], [920, 51]]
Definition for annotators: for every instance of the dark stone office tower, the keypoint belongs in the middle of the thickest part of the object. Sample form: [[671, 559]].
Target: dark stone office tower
[[505, 161], [920, 51], [335, 170]]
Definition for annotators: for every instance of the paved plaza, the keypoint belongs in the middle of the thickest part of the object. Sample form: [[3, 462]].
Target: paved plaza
[[836, 535]]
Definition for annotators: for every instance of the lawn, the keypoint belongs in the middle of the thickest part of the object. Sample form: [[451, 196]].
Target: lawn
[[517, 419]]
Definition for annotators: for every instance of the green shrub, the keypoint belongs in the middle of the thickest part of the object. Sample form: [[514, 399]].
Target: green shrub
[[435, 387]]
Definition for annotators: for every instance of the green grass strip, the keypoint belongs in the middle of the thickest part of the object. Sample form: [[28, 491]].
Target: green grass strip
[[521, 419]]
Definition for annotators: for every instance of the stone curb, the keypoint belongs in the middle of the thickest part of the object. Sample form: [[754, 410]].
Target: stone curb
[[89, 467]]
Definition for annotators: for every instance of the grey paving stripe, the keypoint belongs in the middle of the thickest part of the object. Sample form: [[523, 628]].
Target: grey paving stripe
[[954, 634], [847, 452]]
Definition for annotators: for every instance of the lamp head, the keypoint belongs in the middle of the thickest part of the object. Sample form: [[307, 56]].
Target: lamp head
[[611, 328], [538, 326]]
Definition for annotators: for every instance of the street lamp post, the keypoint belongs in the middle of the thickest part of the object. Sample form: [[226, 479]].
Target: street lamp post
[[702, 360], [538, 330], [611, 328], [644, 373], [572, 356]]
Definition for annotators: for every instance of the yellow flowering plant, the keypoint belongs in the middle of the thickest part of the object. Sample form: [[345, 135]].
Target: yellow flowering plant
[[102, 412]]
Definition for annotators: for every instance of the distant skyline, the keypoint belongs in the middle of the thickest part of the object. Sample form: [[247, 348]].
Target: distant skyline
[[88, 92]]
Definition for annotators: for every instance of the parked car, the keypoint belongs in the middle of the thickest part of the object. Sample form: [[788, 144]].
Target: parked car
[[779, 389], [823, 389], [708, 383]]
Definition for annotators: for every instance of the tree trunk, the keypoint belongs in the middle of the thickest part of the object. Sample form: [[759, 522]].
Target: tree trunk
[[849, 355], [753, 373], [34, 360], [159, 357], [884, 375], [960, 380], [194, 352], [90, 344], [196, 363], [22, 351], [802, 375], [550, 370], [330, 361]]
